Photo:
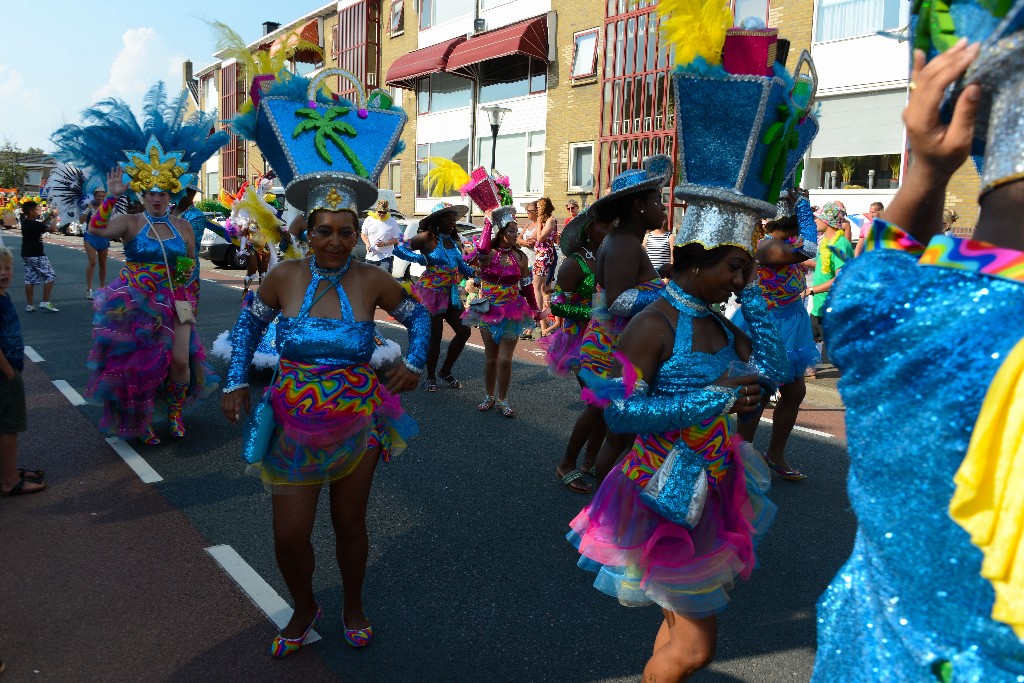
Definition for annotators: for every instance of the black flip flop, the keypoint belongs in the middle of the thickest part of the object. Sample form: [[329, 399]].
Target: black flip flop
[[36, 476], [19, 489]]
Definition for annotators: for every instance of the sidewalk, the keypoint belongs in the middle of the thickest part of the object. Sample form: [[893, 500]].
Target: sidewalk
[[104, 580]]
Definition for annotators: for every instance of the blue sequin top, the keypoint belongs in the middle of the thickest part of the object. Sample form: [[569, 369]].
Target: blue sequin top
[[146, 248], [919, 335], [446, 254]]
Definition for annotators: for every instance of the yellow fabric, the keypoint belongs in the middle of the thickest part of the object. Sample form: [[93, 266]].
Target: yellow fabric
[[989, 498]]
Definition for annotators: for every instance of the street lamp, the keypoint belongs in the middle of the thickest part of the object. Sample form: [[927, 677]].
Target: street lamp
[[494, 116]]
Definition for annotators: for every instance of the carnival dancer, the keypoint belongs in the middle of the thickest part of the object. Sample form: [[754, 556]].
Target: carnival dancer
[[676, 523], [624, 274], [327, 418], [506, 307], [934, 587], [572, 301], [788, 242], [437, 246], [145, 342]]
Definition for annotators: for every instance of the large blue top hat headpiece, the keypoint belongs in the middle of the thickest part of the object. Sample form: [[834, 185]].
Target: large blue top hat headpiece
[[743, 121], [999, 70], [328, 152]]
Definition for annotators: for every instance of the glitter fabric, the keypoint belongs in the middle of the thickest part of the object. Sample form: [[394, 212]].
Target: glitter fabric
[[918, 345], [633, 300], [999, 69], [713, 223], [640, 556], [438, 288], [414, 318]]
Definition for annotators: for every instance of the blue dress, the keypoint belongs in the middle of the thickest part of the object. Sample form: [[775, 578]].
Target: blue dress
[[918, 333]]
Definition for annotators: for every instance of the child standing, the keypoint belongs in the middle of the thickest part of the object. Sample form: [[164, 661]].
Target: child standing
[[13, 418], [37, 267]]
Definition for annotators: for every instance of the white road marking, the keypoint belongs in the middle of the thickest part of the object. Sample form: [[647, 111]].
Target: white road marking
[[258, 590], [138, 464], [806, 430], [32, 355], [69, 393]]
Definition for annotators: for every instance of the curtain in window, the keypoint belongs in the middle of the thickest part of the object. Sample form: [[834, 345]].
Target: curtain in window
[[839, 19]]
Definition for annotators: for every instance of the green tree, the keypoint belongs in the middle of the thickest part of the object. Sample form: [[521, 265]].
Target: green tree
[[12, 173], [328, 127], [34, 150]]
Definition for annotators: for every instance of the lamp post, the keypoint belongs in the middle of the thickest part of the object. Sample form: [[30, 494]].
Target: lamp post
[[494, 116]]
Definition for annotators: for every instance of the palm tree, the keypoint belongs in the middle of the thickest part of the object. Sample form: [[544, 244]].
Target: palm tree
[[328, 127]]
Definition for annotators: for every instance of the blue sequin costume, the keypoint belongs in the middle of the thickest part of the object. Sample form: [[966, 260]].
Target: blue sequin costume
[[918, 334], [641, 556], [438, 288], [329, 406]]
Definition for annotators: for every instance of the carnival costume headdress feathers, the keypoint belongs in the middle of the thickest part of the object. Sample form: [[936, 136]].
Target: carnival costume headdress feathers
[[744, 122], [162, 152]]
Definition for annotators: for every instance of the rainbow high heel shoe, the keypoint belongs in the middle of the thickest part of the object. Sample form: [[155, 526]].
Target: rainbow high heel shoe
[[357, 637], [149, 438], [282, 647]]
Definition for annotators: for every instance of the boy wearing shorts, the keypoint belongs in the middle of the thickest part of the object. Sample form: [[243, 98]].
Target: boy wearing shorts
[[37, 267], [13, 416]]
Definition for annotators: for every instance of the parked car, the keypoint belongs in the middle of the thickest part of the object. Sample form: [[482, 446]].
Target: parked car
[[74, 229], [215, 248], [402, 268]]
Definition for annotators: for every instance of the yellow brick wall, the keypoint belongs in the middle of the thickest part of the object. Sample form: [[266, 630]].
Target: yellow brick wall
[[962, 197], [793, 18], [391, 48], [573, 108]]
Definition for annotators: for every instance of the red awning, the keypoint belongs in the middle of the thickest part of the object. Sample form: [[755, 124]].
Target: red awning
[[428, 60], [310, 33], [528, 37]]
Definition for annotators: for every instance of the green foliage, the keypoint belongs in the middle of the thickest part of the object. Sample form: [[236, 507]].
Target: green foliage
[[846, 167], [12, 173], [213, 206]]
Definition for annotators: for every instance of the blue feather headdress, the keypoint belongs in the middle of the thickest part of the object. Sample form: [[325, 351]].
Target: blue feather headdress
[[111, 135]]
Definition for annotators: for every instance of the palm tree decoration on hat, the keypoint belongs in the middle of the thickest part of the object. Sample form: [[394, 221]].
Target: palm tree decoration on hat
[[327, 127]]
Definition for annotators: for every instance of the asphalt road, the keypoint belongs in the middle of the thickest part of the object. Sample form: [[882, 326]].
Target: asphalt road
[[470, 577]]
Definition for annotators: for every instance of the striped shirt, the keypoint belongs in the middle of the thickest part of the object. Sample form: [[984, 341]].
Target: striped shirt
[[659, 249]]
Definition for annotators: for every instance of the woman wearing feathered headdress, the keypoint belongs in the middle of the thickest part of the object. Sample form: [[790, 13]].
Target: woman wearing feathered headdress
[[145, 345]]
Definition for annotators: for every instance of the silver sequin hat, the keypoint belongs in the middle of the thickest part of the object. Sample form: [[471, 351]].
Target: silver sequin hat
[[441, 209], [332, 191]]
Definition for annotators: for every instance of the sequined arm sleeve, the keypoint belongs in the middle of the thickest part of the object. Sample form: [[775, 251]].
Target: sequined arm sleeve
[[529, 293], [403, 252], [465, 268], [101, 216], [808, 229], [245, 337], [632, 301], [415, 319], [769, 351], [561, 307], [639, 414]]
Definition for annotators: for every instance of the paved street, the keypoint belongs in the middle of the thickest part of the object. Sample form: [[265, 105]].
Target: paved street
[[108, 578]]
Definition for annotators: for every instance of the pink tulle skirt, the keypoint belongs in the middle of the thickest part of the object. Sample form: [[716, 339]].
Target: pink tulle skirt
[[562, 351], [132, 338], [435, 300], [642, 558]]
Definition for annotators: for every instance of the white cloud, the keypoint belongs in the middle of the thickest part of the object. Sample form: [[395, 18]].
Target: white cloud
[[144, 60], [21, 106]]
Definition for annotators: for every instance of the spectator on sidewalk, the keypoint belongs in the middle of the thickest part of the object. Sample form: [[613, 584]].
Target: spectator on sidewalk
[[380, 234], [37, 267], [863, 222], [13, 417], [834, 251], [658, 243], [949, 217]]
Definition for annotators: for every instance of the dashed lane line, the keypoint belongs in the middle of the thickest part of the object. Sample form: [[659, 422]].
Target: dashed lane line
[[31, 354], [258, 590], [806, 430], [131, 458], [69, 393]]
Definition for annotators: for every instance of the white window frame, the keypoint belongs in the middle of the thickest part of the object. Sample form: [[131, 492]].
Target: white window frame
[[395, 167], [573, 146], [575, 50]]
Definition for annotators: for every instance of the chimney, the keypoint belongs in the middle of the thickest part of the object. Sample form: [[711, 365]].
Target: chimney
[[270, 27], [186, 72]]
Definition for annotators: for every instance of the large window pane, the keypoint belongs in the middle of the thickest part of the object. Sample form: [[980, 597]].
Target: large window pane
[[422, 153], [584, 58], [510, 157], [449, 92], [751, 8], [423, 95], [503, 78], [535, 172], [838, 19], [581, 167], [456, 150], [447, 10], [426, 13]]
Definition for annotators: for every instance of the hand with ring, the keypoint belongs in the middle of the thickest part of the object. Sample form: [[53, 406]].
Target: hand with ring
[[747, 389]]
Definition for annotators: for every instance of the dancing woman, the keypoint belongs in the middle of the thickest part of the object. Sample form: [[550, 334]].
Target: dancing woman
[[572, 301], [96, 248], [675, 393], [334, 419], [437, 246], [506, 307], [624, 274]]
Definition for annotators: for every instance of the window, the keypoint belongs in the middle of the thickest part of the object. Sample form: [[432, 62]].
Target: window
[[581, 166], [209, 93], [395, 177], [512, 76], [838, 19], [396, 21], [871, 171], [584, 54], [456, 150], [442, 92], [520, 156], [436, 12], [488, 4], [742, 9], [335, 43], [212, 189]]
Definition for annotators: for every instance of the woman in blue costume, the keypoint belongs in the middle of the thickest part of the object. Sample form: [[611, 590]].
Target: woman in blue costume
[[625, 276], [925, 328], [437, 247], [334, 418], [675, 392], [787, 243]]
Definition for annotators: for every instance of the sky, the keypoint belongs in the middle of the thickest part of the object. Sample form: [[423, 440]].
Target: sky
[[55, 63]]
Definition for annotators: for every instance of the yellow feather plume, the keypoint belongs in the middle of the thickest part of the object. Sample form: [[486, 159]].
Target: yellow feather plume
[[444, 177], [695, 28], [252, 206]]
